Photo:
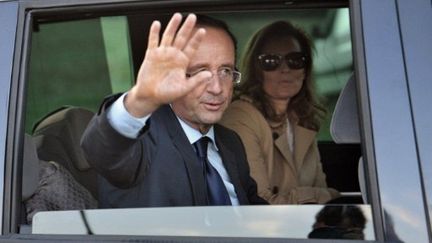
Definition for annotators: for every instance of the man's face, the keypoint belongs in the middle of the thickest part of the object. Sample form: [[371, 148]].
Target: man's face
[[205, 105]]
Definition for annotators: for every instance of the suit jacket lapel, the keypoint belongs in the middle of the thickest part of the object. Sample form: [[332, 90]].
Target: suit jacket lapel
[[193, 166], [228, 159]]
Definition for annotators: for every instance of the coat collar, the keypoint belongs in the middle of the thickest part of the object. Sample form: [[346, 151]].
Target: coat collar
[[301, 147], [295, 160], [194, 135]]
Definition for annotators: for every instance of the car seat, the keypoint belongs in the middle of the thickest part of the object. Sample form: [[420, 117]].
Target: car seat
[[344, 126], [57, 138], [48, 186]]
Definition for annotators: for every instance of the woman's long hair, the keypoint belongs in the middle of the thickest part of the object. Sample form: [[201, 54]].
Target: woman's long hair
[[304, 105]]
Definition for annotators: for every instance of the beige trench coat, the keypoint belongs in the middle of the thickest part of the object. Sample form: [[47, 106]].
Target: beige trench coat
[[282, 178]]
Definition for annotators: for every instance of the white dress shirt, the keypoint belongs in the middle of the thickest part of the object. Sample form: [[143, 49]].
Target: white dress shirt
[[129, 126]]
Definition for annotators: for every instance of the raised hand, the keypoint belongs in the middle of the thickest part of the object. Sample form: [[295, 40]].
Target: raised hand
[[162, 75]]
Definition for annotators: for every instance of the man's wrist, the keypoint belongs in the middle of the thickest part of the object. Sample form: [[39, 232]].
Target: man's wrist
[[124, 122], [138, 107]]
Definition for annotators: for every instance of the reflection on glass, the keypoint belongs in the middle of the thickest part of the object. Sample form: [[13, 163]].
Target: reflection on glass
[[281, 221], [391, 233], [339, 222]]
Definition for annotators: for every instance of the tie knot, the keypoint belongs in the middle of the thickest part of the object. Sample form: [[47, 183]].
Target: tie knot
[[201, 147]]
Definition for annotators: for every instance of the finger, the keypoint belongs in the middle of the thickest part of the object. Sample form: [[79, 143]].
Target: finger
[[185, 31], [153, 39], [199, 78], [171, 29], [194, 42]]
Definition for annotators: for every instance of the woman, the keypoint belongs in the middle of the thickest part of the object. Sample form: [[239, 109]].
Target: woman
[[277, 117]]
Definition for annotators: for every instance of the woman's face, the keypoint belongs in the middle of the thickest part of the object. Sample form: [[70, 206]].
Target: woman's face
[[284, 82]]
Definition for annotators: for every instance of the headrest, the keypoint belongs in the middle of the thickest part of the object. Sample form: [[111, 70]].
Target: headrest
[[344, 126], [30, 168], [58, 136]]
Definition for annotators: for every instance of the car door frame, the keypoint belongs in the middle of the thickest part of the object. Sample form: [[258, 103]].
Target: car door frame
[[378, 142]]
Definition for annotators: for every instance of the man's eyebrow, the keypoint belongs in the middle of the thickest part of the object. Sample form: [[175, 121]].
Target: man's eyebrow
[[230, 65]]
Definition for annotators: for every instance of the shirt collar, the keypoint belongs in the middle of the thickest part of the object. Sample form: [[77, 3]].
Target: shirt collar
[[194, 135]]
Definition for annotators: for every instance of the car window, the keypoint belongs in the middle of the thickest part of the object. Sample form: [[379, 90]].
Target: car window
[[99, 57], [75, 63], [284, 221], [330, 33]]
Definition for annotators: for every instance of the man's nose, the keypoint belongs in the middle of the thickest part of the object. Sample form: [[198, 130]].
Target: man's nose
[[215, 84]]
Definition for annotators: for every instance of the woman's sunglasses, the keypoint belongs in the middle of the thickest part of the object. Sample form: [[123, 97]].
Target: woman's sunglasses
[[271, 62]]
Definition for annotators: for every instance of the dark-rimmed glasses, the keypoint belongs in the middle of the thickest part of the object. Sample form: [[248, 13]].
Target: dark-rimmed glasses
[[271, 62]]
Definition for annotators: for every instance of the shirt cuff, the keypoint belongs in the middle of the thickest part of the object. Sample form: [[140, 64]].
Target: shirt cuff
[[123, 122]]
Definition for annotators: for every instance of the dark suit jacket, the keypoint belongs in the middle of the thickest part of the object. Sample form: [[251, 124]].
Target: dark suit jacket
[[160, 167]]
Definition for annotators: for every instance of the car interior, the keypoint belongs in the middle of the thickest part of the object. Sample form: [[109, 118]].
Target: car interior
[[57, 138], [76, 61]]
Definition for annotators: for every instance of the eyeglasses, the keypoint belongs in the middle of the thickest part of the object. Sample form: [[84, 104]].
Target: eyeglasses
[[224, 74], [294, 60]]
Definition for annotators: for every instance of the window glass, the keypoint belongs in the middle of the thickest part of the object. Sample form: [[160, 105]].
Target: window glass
[[330, 33], [96, 53], [76, 63], [79, 62], [247, 221]]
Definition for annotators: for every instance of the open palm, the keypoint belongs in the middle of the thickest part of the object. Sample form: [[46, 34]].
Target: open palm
[[162, 75]]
